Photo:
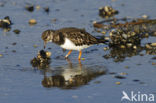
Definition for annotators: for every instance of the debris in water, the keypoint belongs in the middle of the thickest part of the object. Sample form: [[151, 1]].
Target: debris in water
[[107, 11], [5, 23]]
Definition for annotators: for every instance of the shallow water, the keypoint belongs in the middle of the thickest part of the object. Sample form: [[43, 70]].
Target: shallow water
[[95, 81]]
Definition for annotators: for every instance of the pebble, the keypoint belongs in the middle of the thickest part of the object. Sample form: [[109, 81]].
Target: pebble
[[148, 46], [29, 8], [16, 31], [1, 55], [14, 43], [32, 21], [146, 35], [118, 83], [136, 80], [122, 46], [38, 7], [46, 9], [153, 63], [120, 77], [129, 45], [107, 38], [154, 34], [35, 46], [106, 48], [123, 73], [134, 47], [144, 16], [95, 24], [48, 54], [153, 44], [103, 32]]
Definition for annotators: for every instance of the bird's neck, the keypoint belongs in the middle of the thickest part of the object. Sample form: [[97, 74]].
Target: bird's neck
[[58, 39]]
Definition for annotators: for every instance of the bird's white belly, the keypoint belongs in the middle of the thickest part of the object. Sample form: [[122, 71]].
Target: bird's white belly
[[71, 46]]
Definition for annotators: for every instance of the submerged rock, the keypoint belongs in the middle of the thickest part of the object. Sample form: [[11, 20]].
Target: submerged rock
[[42, 60]]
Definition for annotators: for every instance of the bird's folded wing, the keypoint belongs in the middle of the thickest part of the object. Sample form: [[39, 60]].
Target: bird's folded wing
[[81, 38]]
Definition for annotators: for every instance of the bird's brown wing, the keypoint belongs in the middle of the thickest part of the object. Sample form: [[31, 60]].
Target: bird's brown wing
[[80, 37]]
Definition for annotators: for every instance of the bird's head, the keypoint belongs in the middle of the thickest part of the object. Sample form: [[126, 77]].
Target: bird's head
[[47, 36]]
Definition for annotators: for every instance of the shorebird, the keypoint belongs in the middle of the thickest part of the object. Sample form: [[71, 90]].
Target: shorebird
[[71, 39]]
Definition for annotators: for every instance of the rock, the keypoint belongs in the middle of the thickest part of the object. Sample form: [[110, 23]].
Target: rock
[[38, 7], [153, 44], [35, 46], [14, 43], [1, 55], [154, 34], [16, 31], [103, 32], [129, 45], [120, 77], [153, 63], [123, 73], [107, 11], [144, 16], [118, 83], [134, 47], [46, 9], [148, 46], [29, 7], [48, 54], [106, 48], [122, 46], [6, 22], [32, 21]]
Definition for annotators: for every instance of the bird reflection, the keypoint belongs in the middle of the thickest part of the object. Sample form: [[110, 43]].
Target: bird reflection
[[68, 76], [72, 76]]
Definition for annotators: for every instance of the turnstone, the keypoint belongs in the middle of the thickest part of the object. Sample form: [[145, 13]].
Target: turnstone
[[5, 23], [71, 39]]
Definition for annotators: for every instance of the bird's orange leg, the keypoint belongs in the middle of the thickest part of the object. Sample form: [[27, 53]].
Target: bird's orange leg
[[80, 53], [68, 54]]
